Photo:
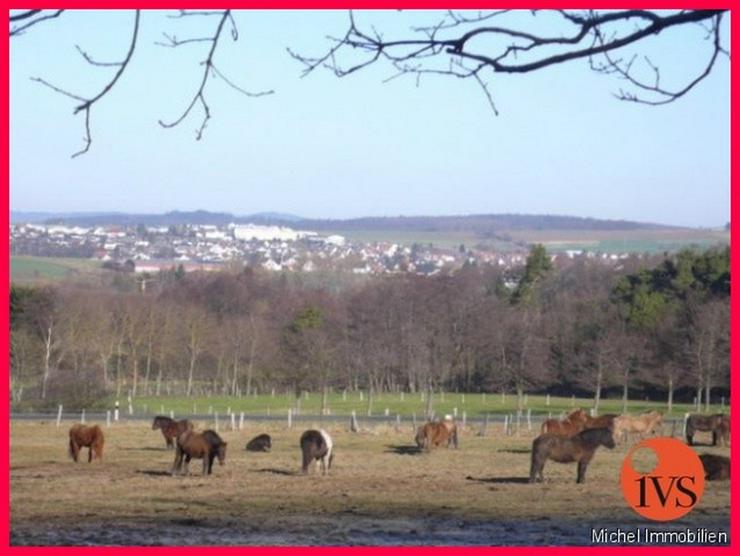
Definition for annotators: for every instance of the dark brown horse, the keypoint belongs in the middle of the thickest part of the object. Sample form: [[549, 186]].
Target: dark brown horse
[[171, 429], [81, 436], [573, 423], [260, 443], [601, 422], [718, 425], [206, 446], [435, 434], [579, 448], [716, 468]]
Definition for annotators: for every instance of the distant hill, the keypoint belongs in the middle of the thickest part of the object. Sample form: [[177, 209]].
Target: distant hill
[[479, 224]]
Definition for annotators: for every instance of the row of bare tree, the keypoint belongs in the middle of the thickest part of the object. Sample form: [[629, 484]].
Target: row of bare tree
[[582, 326]]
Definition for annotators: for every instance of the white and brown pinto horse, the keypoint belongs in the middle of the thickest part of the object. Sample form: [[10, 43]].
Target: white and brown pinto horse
[[317, 445]]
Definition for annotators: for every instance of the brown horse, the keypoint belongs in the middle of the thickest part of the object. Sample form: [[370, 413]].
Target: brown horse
[[605, 421], [573, 423], [434, 434], [171, 429], [716, 468], [81, 436], [718, 425], [206, 446], [568, 449], [645, 423]]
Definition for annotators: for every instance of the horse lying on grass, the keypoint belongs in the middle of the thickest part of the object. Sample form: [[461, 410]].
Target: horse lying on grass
[[716, 468], [171, 429], [81, 436], [260, 443], [206, 446], [568, 449]]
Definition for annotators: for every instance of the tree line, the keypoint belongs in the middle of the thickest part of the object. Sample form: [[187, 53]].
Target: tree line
[[655, 327]]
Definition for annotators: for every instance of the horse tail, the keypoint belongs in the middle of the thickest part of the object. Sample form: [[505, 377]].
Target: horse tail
[[71, 447], [98, 443]]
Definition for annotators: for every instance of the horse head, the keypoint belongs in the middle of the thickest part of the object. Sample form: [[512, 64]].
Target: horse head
[[221, 453]]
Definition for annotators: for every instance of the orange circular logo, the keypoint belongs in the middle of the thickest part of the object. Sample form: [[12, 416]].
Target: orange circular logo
[[670, 486]]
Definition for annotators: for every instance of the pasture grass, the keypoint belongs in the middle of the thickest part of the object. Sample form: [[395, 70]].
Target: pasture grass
[[51, 269], [476, 406], [376, 473]]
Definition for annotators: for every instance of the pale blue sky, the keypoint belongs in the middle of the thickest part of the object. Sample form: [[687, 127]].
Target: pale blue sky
[[337, 148]]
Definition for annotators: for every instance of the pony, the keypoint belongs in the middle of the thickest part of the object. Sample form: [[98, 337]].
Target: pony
[[171, 429], [718, 424], [206, 446], [646, 423], [81, 436], [716, 468], [605, 421], [260, 443], [573, 423], [579, 448], [434, 434], [317, 445]]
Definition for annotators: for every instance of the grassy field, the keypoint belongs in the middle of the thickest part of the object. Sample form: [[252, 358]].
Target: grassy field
[[476, 406], [380, 491], [50, 269], [605, 241]]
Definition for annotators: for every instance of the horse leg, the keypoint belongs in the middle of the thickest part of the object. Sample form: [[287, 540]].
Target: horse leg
[[714, 438], [323, 465], [186, 467], [178, 461], [89, 453], [582, 466], [535, 468], [211, 457]]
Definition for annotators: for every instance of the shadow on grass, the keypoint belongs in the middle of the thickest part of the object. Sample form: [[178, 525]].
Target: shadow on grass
[[275, 471], [499, 480], [515, 450], [147, 449], [403, 449], [152, 473]]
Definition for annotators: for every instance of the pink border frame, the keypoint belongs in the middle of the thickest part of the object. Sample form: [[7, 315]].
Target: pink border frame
[[363, 4]]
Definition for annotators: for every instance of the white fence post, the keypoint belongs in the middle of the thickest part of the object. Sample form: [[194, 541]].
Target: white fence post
[[529, 418], [233, 422], [241, 420], [290, 418], [215, 420], [172, 414], [82, 417], [59, 416], [107, 418]]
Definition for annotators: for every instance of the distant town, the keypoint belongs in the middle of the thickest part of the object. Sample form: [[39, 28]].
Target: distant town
[[275, 248]]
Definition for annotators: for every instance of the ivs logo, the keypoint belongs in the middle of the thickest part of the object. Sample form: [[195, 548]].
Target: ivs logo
[[671, 488]]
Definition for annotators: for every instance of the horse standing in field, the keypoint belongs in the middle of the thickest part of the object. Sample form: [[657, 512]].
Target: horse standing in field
[[605, 421], [573, 423], [207, 446], [718, 425], [646, 423], [171, 429], [568, 449], [317, 445], [434, 434], [260, 443], [716, 468], [81, 436]]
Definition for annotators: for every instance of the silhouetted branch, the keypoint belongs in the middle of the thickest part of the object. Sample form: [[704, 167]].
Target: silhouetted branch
[[88, 103], [209, 68], [15, 31], [587, 34]]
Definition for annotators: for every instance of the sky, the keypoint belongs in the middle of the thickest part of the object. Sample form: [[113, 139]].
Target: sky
[[325, 147]]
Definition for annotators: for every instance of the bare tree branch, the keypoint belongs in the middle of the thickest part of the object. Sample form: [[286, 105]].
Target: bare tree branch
[[87, 103], [15, 31], [209, 69], [588, 34]]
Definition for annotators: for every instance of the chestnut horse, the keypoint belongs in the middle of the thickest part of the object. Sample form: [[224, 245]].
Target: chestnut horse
[[171, 429], [573, 423], [206, 446], [718, 425], [434, 434], [81, 436], [579, 448], [605, 421]]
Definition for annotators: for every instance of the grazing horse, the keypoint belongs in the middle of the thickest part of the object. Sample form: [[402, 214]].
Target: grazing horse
[[716, 468], [260, 443], [573, 423], [206, 446], [171, 429], [81, 436], [646, 423], [434, 434], [567, 449], [718, 425], [317, 445]]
